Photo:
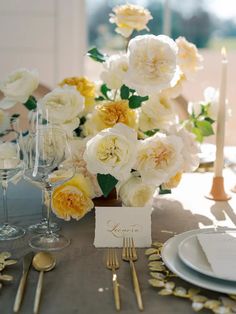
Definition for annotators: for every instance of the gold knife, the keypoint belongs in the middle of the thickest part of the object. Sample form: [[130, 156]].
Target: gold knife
[[20, 292]]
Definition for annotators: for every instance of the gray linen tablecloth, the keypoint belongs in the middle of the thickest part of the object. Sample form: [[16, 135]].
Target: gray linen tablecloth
[[80, 283]]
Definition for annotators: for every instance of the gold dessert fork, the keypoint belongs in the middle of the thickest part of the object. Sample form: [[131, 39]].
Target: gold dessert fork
[[129, 254], [113, 264]]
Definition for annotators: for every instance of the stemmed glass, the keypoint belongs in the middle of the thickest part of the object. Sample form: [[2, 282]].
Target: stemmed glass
[[11, 166], [45, 153], [35, 121]]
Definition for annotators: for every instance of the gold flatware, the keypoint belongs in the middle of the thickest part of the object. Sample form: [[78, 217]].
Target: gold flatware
[[113, 264], [42, 262], [21, 288], [129, 254]]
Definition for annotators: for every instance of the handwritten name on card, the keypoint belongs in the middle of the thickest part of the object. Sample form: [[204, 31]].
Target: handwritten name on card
[[115, 223]]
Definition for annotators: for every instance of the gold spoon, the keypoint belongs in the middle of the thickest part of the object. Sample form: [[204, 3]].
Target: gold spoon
[[42, 262]]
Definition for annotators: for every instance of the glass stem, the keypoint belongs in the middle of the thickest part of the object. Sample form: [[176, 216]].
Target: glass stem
[[44, 209], [4, 197], [49, 207]]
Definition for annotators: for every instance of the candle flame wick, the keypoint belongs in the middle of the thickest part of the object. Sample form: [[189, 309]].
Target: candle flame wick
[[223, 52]]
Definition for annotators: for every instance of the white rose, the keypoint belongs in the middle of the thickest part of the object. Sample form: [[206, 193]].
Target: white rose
[[77, 149], [190, 150], [152, 63], [156, 113], [129, 17], [188, 57], [9, 155], [62, 106], [159, 158], [114, 70], [18, 86], [176, 85], [49, 143], [136, 193], [4, 121], [112, 151]]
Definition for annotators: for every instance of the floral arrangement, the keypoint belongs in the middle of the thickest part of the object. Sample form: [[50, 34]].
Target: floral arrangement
[[123, 130]]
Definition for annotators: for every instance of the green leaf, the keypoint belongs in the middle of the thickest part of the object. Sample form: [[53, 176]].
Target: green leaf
[[205, 127], [198, 133], [106, 182], [164, 191], [99, 98], [209, 120], [124, 92], [104, 90], [136, 101], [151, 132], [31, 103], [96, 55]]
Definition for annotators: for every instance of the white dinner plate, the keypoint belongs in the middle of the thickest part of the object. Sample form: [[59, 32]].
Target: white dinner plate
[[173, 262]]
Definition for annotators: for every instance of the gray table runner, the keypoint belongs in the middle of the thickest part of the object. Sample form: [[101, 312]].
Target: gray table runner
[[80, 283]]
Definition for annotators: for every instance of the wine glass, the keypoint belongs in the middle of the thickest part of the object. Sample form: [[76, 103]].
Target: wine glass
[[36, 120], [45, 154], [11, 166]]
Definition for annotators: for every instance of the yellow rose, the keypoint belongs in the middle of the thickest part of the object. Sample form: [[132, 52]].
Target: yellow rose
[[108, 114], [73, 198], [129, 17], [173, 182], [84, 86]]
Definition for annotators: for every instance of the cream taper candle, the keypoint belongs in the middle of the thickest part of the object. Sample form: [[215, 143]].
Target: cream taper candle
[[220, 127]]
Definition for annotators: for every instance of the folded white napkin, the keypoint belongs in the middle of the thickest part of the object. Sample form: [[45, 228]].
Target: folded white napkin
[[220, 250]]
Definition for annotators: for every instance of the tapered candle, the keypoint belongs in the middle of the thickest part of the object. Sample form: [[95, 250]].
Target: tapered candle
[[166, 18], [220, 127]]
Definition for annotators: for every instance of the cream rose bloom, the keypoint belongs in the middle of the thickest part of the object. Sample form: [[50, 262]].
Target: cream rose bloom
[[52, 144], [173, 181], [112, 151], [152, 63], [176, 85], [130, 17], [190, 150], [159, 158], [4, 121], [9, 155], [134, 192], [114, 71], [62, 107], [75, 158], [18, 86], [156, 113], [188, 57]]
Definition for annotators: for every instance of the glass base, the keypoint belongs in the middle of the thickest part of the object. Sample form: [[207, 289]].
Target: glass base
[[49, 242], [9, 232], [41, 227]]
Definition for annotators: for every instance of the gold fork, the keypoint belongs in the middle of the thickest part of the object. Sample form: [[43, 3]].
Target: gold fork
[[129, 255], [113, 264]]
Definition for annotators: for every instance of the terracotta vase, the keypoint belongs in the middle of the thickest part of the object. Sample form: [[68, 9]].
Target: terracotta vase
[[111, 200]]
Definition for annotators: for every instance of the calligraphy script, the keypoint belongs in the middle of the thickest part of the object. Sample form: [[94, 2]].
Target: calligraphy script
[[119, 231]]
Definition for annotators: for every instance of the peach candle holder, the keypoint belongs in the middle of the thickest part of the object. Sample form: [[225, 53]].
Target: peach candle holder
[[217, 192]]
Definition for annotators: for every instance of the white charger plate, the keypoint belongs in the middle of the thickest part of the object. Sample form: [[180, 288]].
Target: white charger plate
[[191, 253], [173, 262]]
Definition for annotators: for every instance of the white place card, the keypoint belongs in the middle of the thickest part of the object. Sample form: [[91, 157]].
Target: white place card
[[115, 223]]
